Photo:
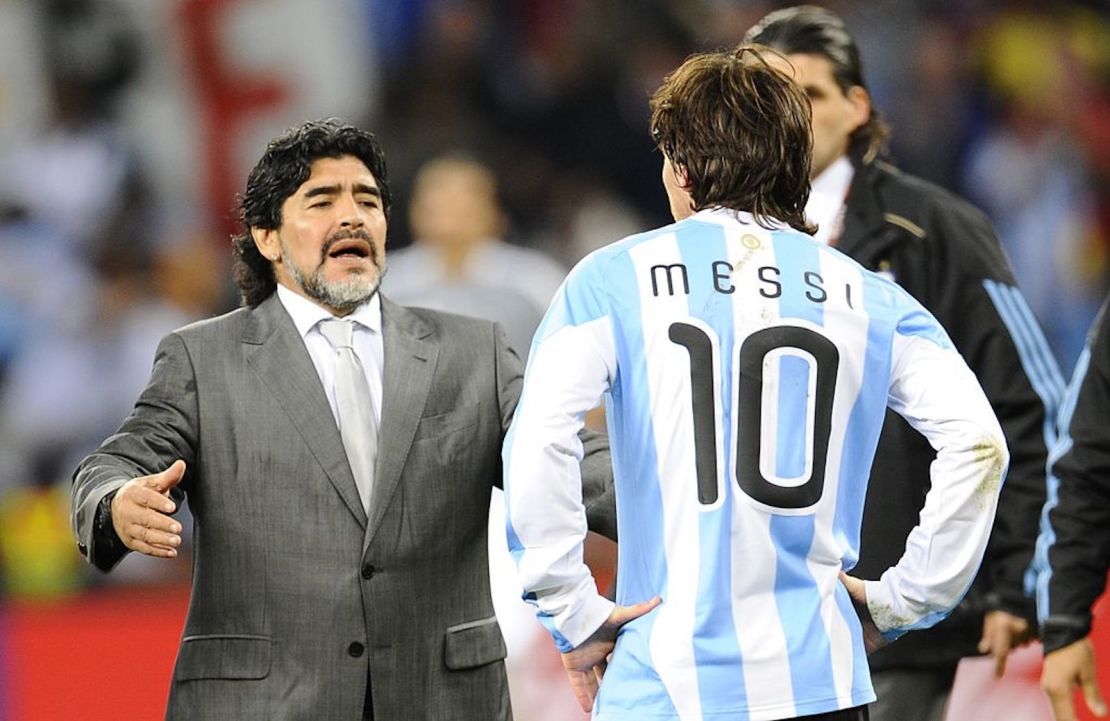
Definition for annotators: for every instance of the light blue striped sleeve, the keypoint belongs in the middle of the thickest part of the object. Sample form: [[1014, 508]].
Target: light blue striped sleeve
[[571, 364]]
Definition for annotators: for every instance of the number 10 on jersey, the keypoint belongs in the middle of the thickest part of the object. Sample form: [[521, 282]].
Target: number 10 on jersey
[[792, 417]]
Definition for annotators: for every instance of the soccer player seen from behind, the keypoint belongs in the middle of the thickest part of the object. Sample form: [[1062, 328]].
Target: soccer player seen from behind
[[746, 370]]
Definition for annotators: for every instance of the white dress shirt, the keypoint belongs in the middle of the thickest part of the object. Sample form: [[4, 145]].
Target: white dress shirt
[[827, 198], [367, 339]]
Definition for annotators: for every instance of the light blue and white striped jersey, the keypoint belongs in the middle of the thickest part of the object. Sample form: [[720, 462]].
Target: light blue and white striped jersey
[[745, 373]]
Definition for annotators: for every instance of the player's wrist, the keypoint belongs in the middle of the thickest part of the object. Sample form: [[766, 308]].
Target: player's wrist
[[1060, 631]]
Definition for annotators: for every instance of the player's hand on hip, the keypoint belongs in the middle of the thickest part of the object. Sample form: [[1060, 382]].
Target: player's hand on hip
[[1003, 632], [872, 638], [585, 663], [1064, 669], [140, 513]]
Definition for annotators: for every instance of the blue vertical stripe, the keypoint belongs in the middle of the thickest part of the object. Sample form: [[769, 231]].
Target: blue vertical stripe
[[799, 606], [861, 437], [631, 681], [1036, 359], [793, 411], [716, 650], [1040, 572], [795, 256], [862, 691], [1044, 375], [796, 592]]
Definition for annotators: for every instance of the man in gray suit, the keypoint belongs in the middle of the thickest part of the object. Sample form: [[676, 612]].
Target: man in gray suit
[[325, 585]]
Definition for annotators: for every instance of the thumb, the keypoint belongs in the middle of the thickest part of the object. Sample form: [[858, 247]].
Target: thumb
[[1092, 695], [624, 614], [168, 478], [856, 588]]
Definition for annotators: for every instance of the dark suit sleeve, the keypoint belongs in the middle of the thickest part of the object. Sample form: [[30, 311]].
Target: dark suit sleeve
[[597, 468], [1076, 536], [995, 330], [160, 429]]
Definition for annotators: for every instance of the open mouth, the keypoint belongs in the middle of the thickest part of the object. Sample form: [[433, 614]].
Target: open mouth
[[350, 249]]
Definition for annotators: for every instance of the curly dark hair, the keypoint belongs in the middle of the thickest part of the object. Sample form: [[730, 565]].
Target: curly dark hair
[[741, 131], [284, 166], [811, 30]]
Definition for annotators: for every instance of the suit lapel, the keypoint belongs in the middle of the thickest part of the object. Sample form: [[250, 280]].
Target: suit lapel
[[410, 361], [282, 361]]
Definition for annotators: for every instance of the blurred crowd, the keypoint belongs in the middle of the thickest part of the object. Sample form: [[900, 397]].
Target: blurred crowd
[[533, 114]]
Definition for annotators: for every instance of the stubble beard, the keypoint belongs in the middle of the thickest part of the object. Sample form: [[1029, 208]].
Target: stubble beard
[[342, 296]]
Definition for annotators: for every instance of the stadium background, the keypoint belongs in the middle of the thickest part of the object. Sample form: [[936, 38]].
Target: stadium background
[[127, 126]]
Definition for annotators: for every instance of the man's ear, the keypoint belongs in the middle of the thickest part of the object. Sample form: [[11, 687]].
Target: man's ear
[[266, 240], [860, 100]]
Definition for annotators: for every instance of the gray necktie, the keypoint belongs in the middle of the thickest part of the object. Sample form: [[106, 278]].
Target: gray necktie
[[357, 423]]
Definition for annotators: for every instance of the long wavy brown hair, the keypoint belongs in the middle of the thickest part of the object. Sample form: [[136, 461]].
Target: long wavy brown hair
[[740, 129]]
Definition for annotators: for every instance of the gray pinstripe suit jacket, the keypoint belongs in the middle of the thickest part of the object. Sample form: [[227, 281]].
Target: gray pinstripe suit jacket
[[298, 599]]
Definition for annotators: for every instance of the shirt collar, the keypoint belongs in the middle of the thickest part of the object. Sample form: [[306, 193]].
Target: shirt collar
[[827, 196], [721, 215], [306, 313]]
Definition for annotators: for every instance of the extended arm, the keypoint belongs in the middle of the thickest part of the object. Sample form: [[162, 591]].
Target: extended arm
[[1073, 550], [159, 432]]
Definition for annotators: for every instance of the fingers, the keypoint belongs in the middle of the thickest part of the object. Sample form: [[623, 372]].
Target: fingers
[[623, 614], [1093, 698], [1061, 705], [584, 685], [154, 529], [986, 642], [599, 669], [1002, 633], [139, 514], [856, 588], [1061, 672], [135, 496], [1001, 651], [997, 640], [135, 543], [1091, 694]]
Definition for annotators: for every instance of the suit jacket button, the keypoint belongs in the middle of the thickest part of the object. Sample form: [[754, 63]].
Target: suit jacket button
[[355, 649], [368, 571]]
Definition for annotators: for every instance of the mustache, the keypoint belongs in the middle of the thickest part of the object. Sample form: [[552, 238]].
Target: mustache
[[341, 235]]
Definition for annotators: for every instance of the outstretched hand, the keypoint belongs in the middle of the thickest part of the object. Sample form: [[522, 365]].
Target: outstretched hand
[[585, 664], [872, 638], [140, 513]]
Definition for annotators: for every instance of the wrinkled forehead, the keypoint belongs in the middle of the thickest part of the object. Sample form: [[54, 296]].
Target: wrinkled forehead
[[343, 172]]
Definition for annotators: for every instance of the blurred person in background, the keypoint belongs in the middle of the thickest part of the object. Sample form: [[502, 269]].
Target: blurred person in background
[[1073, 550], [68, 188], [944, 252], [1039, 166], [459, 260], [339, 571], [74, 205]]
